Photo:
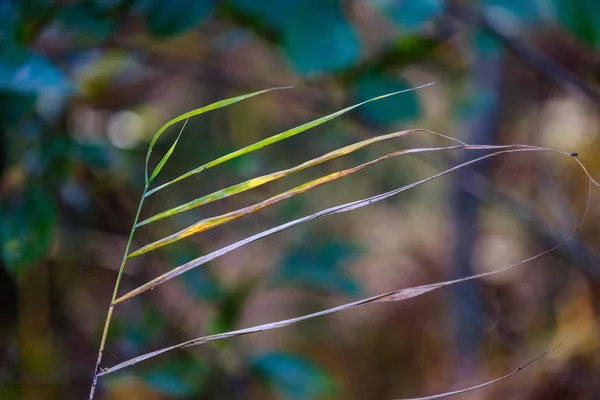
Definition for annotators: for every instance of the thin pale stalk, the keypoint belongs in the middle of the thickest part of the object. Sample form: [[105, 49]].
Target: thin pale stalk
[[114, 297]]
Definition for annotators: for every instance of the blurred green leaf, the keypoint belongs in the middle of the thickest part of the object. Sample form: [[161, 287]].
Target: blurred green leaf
[[9, 18], [581, 18], [318, 38], [169, 18], [26, 230], [34, 11], [140, 331], [200, 282], [292, 376], [484, 43], [87, 18], [26, 72], [387, 111], [272, 13], [181, 377], [319, 264], [526, 11], [410, 14], [14, 106]]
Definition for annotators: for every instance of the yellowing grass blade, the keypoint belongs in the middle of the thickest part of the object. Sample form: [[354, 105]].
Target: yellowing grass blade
[[261, 180], [329, 211], [274, 139], [213, 222], [187, 115]]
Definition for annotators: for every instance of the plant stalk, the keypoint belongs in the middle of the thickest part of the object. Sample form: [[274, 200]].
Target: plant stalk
[[114, 297]]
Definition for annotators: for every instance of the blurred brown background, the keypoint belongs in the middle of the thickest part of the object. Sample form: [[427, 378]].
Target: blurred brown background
[[84, 85]]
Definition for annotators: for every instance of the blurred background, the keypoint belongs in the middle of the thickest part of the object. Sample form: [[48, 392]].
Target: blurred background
[[84, 85]]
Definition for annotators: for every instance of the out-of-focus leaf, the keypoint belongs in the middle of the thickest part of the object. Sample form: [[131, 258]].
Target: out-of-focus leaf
[[486, 44], [97, 156], [319, 264], [525, 11], [15, 105], [26, 72], [26, 230], [581, 18], [33, 11], [275, 14], [140, 331], [9, 17], [201, 283], [410, 14], [87, 18], [181, 377], [388, 111], [292, 376], [168, 18], [318, 38]]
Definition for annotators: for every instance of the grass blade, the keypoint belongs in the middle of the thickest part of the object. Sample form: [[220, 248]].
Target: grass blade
[[168, 154], [212, 222], [198, 111], [261, 180], [275, 138], [329, 211]]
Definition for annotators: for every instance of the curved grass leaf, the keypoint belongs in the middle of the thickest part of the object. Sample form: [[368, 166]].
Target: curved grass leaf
[[265, 142], [168, 154], [198, 111], [335, 210], [261, 180], [212, 222]]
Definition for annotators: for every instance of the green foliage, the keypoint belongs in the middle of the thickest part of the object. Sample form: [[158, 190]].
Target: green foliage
[[581, 19], [169, 18], [24, 71], [140, 331], [292, 376], [318, 38], [315, 34], [390, 110], [522, 11], [180, 377], [200, 282], [26, 231], [87, 19], [318, 263], [274, 14], [410, 14]]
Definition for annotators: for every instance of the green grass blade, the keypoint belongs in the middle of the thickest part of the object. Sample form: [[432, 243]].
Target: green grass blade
[[168, 154], [276, 138], [202, 110], [261, 180]]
